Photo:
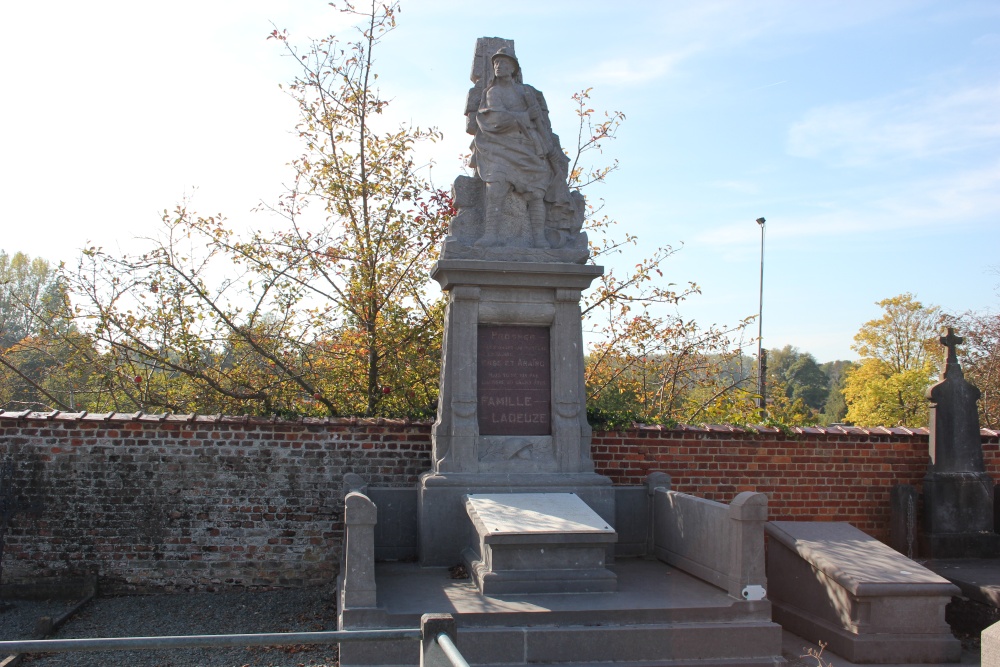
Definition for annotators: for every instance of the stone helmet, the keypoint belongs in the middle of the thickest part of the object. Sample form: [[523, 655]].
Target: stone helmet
[[507, 52]]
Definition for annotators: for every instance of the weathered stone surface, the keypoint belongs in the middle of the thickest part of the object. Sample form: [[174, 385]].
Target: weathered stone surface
[[508, 296], [444, 524], [657, 616], [829, 581], [955, 442], [990, 646], [518, 206], [903, 519]]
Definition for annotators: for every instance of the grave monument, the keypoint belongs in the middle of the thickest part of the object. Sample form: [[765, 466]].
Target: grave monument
[[958, 492], [511, 531], [512, 408]]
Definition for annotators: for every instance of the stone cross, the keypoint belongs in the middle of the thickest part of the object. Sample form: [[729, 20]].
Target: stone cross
[[951, 341]]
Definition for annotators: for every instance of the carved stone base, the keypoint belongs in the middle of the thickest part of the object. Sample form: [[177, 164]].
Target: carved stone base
[[577, 253]]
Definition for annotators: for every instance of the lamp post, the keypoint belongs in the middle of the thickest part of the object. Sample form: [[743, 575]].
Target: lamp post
[[761, 354]]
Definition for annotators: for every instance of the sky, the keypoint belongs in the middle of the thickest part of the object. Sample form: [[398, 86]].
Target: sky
[[866, 133]]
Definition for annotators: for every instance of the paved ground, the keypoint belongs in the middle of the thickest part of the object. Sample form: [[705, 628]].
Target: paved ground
[[796, 651], [246, 612]]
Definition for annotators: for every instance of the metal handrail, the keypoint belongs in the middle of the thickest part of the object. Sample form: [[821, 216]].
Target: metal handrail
[[207, 641], [451, 651]]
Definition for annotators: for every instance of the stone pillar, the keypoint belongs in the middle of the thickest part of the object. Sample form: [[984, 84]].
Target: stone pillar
[[455, 431], [747, 516], [357, 587], [570, 431]]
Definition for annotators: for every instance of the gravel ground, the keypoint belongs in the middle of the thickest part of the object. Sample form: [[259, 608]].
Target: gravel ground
[[18, 617], [309, 610]]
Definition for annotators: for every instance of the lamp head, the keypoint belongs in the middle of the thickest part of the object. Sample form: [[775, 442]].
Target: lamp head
[[761, 221]]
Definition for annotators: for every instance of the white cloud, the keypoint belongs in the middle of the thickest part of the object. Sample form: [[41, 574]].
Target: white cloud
[[971, 197], [905, 126], [630, 71]]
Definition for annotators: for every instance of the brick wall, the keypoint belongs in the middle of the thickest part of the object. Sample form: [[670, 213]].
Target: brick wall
[[179, 502], [811, 474], [186, 503]]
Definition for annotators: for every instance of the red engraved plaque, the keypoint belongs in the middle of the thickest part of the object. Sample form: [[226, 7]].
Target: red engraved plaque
[[514, 381]]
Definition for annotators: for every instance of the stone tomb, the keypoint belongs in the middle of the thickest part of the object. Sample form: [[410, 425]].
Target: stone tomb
[[537, 543], [830, 582]]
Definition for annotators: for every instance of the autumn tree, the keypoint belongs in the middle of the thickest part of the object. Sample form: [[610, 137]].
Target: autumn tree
[[647, 363], [27, 287], [41, 366], [898, 362], [835, 405], [331, 314], [326, 315], [981, 361]]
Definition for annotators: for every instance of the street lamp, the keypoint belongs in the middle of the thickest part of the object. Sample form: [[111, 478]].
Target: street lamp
[[761, 354]]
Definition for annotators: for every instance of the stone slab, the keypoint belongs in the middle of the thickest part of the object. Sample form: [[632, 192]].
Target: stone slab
[[535, 543], [396, 537], [450, 273], [794, 649], [858, 562], [514, 381], [515, 515]]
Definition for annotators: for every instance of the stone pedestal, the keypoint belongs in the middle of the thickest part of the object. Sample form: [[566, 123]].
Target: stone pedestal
[[512, 414], [537, 543], [543, 301]]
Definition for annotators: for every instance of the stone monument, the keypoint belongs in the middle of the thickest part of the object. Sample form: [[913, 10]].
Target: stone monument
[[511, 495], [958, 492], [512, 407]]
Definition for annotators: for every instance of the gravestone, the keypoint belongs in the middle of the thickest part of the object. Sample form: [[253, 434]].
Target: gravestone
[[512, 405], [958, 492]]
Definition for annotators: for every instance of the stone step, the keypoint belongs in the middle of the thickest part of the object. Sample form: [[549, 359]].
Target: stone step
[[677, 645], [658, 616]]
